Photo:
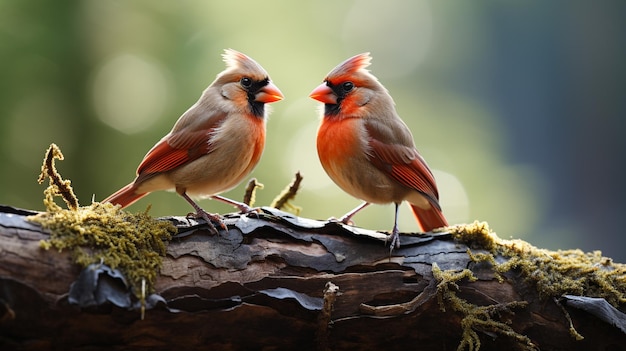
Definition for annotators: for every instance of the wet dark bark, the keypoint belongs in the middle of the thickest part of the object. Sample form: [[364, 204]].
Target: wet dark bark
[[277, 282]]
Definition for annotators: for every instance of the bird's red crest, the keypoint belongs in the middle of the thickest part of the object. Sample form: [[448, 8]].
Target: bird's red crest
[[235, 59], [351, 65]]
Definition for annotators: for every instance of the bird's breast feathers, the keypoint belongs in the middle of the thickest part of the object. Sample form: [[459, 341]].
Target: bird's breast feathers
[[236, 148], [342, 149], [340, 140]]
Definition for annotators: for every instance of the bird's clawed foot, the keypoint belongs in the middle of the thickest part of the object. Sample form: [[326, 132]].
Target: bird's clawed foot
[[245, 209], [200, 213], [344, 220], [394, 238], [347, 220], [394, 241], [210, 219]]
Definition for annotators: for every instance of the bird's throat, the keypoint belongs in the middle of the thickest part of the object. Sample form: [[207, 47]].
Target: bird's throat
[[331, 110], [257, 108]]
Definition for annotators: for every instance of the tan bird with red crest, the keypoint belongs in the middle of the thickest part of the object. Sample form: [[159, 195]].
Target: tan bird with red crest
[[215, 144]]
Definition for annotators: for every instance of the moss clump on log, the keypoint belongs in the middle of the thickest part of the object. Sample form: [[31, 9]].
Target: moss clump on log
[[553, 273], [102, 233]]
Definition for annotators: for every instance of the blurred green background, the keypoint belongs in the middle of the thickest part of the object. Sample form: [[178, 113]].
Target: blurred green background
[[518, 106]]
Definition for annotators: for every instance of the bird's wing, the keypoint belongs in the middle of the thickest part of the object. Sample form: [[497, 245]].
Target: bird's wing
[[404, 164], [179, 147]]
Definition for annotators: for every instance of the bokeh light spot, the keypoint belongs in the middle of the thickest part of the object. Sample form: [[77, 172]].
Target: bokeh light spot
[[130, 93]]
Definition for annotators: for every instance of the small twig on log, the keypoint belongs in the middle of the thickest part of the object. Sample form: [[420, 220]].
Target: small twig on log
[[57, 184], [249, 197], [283, 200]]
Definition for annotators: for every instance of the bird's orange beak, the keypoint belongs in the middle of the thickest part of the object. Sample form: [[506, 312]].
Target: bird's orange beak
[[268, 94], [324, 94]]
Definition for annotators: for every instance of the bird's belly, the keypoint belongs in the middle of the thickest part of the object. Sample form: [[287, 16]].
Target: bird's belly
[[207, 178], [365, 182], [342, 150], [218, 171]]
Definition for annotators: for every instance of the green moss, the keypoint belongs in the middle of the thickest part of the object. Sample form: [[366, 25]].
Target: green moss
[[132, 243], [476, 234], [475, 318], [102, 233], [553, 273]]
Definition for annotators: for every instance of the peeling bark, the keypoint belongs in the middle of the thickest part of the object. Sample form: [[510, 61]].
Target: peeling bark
[[276, 281]]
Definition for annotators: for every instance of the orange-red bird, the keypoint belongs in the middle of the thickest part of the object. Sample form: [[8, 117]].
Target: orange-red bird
[[215, 144], [368, 150]]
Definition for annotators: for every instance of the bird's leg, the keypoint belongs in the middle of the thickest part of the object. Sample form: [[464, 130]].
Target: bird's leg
[[394, 238], [209, 218], [347, 218], [239, 205]]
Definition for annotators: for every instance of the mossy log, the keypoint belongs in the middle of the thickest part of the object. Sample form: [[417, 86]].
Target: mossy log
[[274, 281]]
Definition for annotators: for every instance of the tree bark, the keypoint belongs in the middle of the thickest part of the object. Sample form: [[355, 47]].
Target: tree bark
[[275, 281]]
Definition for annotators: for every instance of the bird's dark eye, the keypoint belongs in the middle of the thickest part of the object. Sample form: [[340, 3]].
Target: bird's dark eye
[[246, 82], [347, 86]]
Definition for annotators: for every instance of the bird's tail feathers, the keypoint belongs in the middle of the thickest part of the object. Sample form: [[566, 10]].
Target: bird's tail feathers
[[125, 196], [429, 219]]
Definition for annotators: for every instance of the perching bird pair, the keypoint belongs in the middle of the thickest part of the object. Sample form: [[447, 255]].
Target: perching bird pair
[[362, 143]]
